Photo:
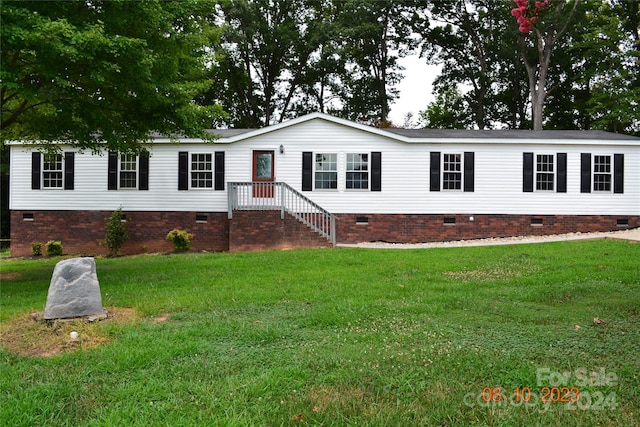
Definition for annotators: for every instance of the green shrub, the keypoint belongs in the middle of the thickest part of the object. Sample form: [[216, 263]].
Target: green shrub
[[53, 248], [181, 239], [116, 231], [36, 248]]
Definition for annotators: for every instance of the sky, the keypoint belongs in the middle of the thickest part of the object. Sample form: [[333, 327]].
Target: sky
[[415, 89]]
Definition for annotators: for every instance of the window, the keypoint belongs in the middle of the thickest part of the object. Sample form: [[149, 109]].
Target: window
[[544, 172], [52, 171], [601, 173], [357, 171], [326, 175], [201, 171], [128, 171], [451, 172]]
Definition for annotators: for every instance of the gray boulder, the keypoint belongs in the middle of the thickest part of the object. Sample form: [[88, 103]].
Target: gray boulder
[[74, 290]]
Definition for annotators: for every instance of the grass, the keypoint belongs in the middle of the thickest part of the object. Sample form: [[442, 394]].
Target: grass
[[335, 337]]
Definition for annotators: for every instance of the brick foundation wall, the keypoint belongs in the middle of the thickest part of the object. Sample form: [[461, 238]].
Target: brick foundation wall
[[404, 228], [82, 232], [263, 230]]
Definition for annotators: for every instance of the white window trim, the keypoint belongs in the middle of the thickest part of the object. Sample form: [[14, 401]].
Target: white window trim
[[137, 171], [337, 171], [213, 175], [593, 173], [346, 171], [43, 160], [554, 173], [442, 172]]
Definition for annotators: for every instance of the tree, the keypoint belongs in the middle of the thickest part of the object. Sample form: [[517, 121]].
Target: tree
[[476, 46], [446, 112], [103, 74], [374, 35], [265, 53], [549, 23]]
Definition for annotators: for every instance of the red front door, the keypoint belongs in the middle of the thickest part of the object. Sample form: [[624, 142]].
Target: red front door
[[263, 173]]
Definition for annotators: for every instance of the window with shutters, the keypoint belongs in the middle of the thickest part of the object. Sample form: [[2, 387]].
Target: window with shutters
[[201, 170], [452, 171], [52, 171], [326, 171], [357, 177], [545, 175], [602, 173]]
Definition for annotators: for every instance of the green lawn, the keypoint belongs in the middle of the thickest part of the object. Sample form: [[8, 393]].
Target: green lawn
[[342, 337]]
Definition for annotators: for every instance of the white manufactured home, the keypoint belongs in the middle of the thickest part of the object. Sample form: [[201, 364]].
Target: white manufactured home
[[318, 180]]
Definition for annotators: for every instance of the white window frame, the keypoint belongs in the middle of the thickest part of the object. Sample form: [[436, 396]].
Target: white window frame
[[46, 181], [206, 162], [459, 172], [595, 173], [553, 172], [125, 159], [324, 171], [350, 160]]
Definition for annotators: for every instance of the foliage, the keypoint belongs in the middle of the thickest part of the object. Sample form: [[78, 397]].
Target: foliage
[[36, 248], [348, 336], [279, 59], [181, 239], [53, 248], [446, 112], [96, 73], [115, 231]]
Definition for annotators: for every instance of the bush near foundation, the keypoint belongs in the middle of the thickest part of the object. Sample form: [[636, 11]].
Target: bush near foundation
[[53, 248], [181, 239]]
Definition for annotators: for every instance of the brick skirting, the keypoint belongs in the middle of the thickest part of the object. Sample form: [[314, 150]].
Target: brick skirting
[[406, 228], [262, 230], [83, 232]]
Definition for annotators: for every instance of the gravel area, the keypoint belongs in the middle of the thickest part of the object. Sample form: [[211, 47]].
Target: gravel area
[[631, 235]]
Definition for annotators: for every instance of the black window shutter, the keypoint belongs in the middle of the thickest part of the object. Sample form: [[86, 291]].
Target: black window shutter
[[435, 171], [585, 172], [376, 171], [36, 165], [143, 161], [113, 171], [618, 173], [469, 183], [307, 171], [219, 170], [183, 170], [562, 173], [527, 172], [69, 168]]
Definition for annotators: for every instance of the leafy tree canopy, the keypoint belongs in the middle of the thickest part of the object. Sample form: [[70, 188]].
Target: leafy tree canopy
[[103, 74]]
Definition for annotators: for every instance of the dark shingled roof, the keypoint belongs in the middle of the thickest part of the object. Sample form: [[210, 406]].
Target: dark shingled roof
[[509, 134]]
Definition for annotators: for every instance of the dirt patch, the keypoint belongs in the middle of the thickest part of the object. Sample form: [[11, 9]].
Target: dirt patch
[[162, 318], [9, 276], [29, 336]]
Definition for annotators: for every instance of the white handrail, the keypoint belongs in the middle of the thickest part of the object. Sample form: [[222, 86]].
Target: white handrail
[[280, 196]]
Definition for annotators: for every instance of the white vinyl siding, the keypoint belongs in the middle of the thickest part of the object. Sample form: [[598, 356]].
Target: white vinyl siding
[[405, 176]]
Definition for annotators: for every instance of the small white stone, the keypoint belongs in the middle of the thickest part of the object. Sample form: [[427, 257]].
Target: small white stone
[[73, 335]]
